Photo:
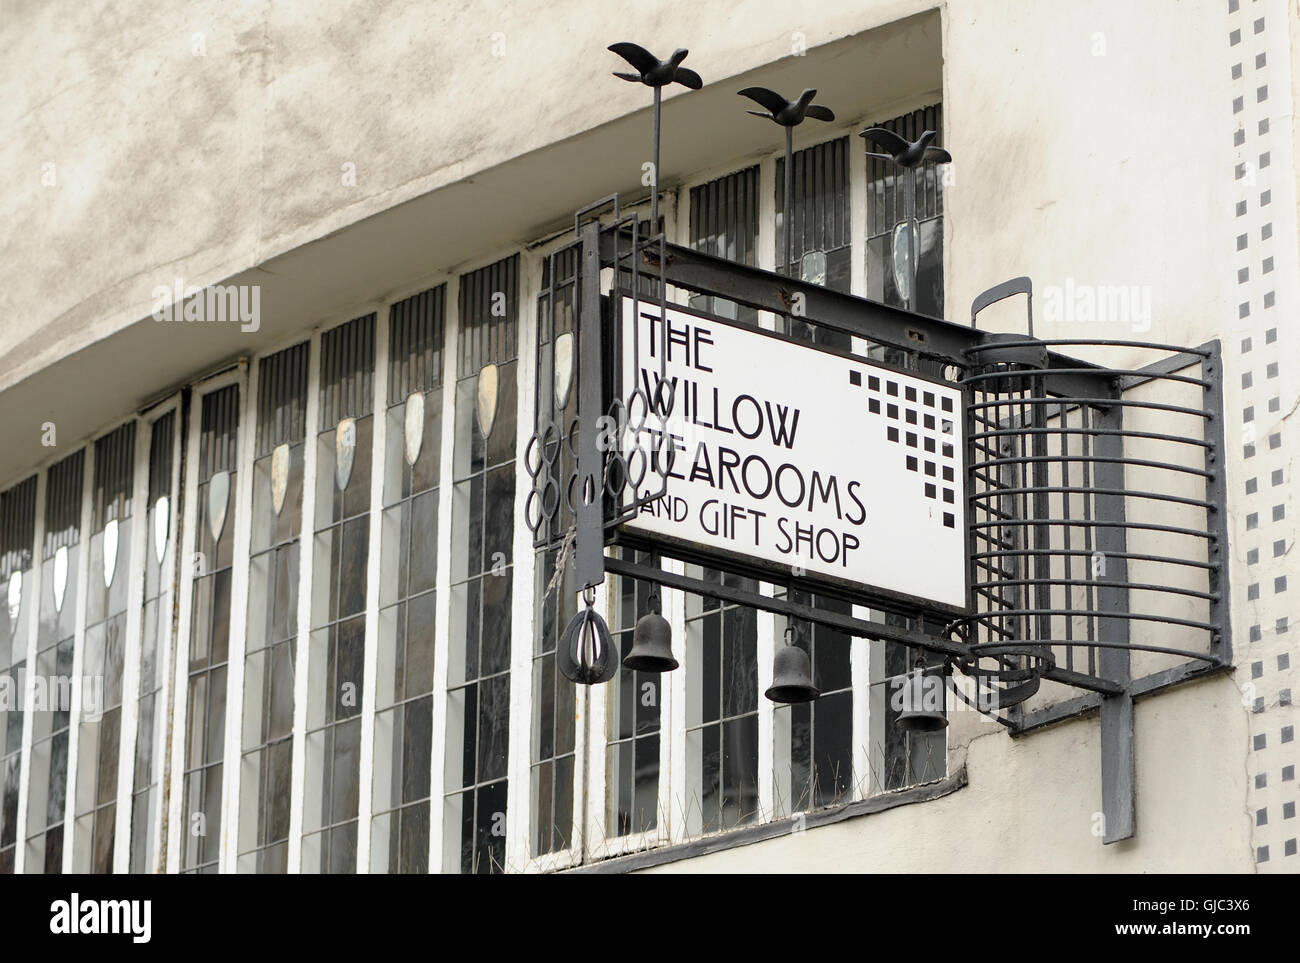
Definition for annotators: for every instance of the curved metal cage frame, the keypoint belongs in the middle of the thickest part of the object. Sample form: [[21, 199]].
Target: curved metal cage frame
[[1095, 523]]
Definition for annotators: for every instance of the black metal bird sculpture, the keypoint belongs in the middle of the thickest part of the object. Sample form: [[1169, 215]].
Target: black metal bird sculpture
[[902, 153], [787, 113], [652, 71]]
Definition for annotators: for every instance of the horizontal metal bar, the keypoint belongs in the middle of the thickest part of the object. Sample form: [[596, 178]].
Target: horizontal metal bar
[[975, 497], [1081, 680], [881, 323], [848, 624], [1132, 586], [1092, 432], [1094, 523], [1092, 402], [1203, 355], [1090, 702], [1058, 552], [1201, 351], [1090, 643], [836, 620], [1024, 374]]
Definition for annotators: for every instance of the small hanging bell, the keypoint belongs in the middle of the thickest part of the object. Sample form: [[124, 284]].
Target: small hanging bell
[[919, 710], [652, 649], [586, 653], [792, 675]]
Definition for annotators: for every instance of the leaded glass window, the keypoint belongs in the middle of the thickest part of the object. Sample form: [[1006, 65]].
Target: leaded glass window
[[814, 754], [886, 209], [341, 551], [632, 719], [404, 750], [55, 640], [554, 737], [820, 230], [721, 710], [99, 735], [271, 632], [724, 223], [483, 512], [155, 631], [17, 534], [209, 641]]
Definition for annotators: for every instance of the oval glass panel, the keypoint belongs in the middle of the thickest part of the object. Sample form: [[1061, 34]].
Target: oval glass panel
[[15, 599], [279, 476], [904, 232], [488, 384], [161, 524], [110, 551], [563, 369], [60, 586], [413, 434], [345, 446], [218, 500]]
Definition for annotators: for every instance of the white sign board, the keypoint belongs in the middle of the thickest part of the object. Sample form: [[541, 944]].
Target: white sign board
[[789, 455]]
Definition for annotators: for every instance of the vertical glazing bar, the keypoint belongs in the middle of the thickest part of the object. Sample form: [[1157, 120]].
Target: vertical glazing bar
[[33, 617], [302, 646], [589, 550]]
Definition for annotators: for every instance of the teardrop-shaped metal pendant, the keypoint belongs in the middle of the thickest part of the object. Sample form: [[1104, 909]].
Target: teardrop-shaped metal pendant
[[161, 526], [218, 501], [414, 426], [345, 446], [60, 585], [279, 476], [15, 599], [563, 369], [488, 385], [110, 551]]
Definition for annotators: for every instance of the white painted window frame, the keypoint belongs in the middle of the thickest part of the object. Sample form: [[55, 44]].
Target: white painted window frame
[[177, 825]]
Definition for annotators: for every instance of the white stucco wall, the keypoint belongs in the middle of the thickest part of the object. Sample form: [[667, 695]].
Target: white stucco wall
[[1031, 806]]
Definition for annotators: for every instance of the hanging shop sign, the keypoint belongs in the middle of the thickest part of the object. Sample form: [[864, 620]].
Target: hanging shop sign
[[793, 456]]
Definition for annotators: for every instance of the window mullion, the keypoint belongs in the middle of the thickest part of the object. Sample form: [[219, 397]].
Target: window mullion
[[519, 809], [860, 671], [769, 782], [369, 690], [167, 654], [189, 533], [33, 647], [593, 743], [231, 767], [302, 645], [674, 792], [857, 231], [78, 659], [442, 579], [130, 711]]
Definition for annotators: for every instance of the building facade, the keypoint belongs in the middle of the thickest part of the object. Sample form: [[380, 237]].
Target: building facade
[[281, 316]]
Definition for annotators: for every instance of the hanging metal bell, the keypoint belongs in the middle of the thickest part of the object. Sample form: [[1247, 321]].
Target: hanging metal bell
[[652, 649], [792, 677], [918, 712], [586, 653]]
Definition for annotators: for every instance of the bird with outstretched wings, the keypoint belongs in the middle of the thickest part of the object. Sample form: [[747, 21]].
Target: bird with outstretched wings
[[787, 113], [652, 71], [904, 154]]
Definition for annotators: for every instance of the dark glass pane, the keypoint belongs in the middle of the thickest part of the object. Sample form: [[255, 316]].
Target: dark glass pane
[[494, 723], [417, 749]]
